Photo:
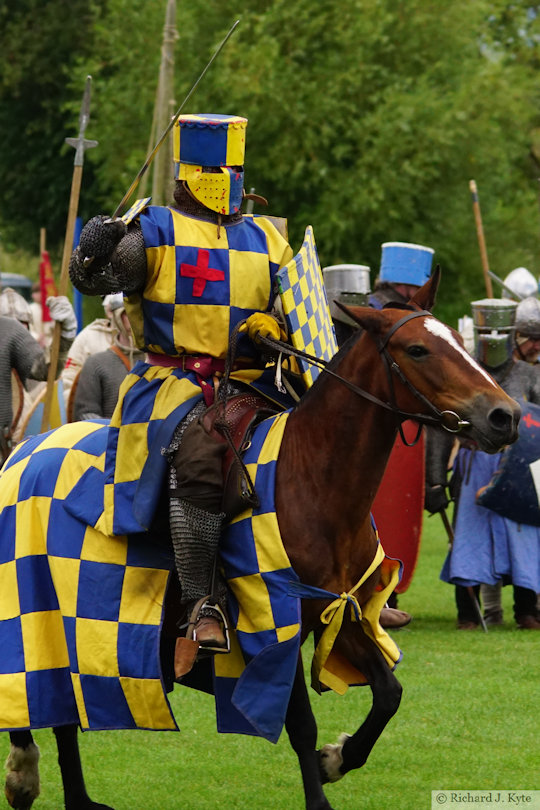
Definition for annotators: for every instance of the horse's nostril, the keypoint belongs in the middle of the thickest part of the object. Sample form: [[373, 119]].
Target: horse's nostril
[[500, 419]]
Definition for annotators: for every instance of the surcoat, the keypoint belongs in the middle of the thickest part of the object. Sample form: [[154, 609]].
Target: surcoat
[[201, 282]]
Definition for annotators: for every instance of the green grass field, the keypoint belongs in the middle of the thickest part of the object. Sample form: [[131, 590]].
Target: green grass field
[[468, 720]]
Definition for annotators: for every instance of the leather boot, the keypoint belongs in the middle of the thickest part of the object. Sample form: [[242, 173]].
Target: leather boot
[[208, 630]]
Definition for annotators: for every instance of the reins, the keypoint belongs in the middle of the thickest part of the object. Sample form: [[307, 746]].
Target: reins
[[447, 419]]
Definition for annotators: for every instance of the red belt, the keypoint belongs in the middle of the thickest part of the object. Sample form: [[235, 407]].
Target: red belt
[[205, 367]]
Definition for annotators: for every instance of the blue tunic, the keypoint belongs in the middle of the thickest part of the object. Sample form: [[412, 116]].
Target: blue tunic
[[488, 547]]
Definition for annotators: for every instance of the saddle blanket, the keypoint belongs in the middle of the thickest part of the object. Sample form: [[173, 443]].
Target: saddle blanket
[[81, 612]]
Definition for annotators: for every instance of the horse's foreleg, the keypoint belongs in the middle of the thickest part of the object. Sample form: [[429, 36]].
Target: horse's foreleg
[[302, 730], [352, 751], [69, 759], [22, 778]]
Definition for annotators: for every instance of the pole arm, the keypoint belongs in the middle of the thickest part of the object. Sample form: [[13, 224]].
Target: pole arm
[[481, 239], [80, 144], [170, 125]]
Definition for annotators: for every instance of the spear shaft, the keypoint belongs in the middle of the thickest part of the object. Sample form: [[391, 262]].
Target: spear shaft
[[80, 144], [481, 239]]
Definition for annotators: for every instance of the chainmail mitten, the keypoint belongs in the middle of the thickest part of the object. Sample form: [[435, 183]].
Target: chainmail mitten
[[99, 238], [126, 272]]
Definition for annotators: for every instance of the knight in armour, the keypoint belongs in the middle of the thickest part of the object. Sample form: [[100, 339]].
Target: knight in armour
[[488, 548], [190, 273]]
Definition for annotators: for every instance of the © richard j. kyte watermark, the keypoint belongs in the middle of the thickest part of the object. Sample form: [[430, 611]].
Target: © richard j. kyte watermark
[[486, 798]]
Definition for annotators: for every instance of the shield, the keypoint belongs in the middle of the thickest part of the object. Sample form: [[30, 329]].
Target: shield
[[305, 306], [398, 507], [514, 490]]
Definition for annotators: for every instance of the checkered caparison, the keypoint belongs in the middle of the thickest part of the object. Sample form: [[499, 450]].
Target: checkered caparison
[[80, 613]]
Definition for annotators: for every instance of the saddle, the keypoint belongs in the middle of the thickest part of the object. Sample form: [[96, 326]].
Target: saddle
[[233, 422]]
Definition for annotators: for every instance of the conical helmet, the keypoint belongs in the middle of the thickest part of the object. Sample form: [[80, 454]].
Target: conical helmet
[[528, 317]]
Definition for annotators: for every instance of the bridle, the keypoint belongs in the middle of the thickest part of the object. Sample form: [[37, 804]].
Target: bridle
[[448, 420]]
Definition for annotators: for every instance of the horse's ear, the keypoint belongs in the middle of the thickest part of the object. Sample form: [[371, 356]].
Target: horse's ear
[[425, 297], [366, 317]]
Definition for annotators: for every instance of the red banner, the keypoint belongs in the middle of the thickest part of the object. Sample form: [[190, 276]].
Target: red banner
[[48, 286]]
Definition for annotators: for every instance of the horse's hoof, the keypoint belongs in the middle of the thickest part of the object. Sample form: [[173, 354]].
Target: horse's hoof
[[22, 779], [331, 760]]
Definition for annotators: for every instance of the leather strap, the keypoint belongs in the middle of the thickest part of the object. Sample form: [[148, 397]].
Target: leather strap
[[121, 355]]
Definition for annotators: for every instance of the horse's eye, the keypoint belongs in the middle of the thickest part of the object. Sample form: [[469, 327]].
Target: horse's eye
[[417, 351]]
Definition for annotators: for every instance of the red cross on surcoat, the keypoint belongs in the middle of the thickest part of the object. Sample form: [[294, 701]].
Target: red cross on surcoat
[[201, 273], [529, 421]]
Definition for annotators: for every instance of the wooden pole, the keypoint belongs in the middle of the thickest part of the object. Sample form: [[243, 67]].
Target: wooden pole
[[481, 239], [62, 289]]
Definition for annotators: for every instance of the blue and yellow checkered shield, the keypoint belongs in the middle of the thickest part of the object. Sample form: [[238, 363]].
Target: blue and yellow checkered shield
[[305, 305]]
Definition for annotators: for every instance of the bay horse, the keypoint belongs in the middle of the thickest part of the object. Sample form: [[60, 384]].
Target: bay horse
[[404, 364]]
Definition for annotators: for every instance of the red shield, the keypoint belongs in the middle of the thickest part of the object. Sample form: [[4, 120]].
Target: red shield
[[399, 504]]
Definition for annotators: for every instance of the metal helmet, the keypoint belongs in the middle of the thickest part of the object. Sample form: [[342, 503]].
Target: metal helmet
[[493, 320], [405, 263], [528, 317], [348, 284], [209, 158], [13, 305], [520, 283]]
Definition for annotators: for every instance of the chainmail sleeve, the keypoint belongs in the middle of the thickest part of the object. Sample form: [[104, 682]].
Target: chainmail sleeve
[[125, 271]]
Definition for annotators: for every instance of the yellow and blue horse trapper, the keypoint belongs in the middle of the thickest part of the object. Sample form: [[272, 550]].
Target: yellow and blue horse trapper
[[252, 684], [216, 142], [305, 306], [80, 613]]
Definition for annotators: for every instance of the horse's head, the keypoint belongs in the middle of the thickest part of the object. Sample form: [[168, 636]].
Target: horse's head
[[433, 376]]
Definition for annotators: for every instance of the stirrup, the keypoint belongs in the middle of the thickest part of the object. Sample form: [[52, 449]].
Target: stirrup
[[210, 604], [187, 649]]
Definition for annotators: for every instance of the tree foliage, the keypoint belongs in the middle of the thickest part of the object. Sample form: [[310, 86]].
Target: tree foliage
[[367, 118]]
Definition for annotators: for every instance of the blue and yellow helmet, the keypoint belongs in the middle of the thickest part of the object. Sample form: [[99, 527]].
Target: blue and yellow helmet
[[209, 157]]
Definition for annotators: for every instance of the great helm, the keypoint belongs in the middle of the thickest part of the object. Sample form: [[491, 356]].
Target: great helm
[[348, 284], [209, 157], [528, 318], [493, 320], [405, 263]]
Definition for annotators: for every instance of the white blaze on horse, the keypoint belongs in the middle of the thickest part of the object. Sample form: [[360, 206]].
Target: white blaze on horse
[[333, 452]]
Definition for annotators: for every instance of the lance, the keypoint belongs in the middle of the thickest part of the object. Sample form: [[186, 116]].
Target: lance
[[80, 144], [481, 240], [470, 589], [170, 125]]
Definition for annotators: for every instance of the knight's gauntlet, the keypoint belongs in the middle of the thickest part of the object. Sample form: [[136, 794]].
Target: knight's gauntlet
[[99, 238], [262, 324]]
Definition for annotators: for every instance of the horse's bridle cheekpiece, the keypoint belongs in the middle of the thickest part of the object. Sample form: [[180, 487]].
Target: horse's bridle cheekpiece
[[448, 420]]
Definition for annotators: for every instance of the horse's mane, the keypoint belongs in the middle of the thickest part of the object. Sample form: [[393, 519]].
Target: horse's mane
[[348, 345]]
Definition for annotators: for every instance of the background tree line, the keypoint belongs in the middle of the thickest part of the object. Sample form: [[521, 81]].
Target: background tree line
[[367, 118]]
